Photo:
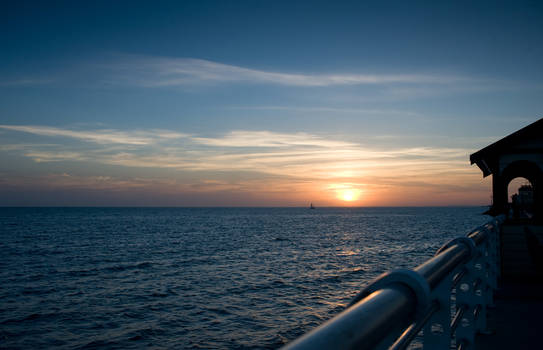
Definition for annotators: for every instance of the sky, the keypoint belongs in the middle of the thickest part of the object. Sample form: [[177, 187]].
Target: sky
[[261, 103]]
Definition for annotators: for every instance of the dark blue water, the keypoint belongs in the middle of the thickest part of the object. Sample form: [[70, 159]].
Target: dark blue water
[[179, 278]]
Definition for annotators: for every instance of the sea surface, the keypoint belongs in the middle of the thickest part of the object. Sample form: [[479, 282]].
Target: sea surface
[[199, 278]]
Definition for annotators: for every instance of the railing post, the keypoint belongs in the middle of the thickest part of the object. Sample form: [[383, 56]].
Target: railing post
[[465, 299], [492, 261], [481, 290], [437, 331]]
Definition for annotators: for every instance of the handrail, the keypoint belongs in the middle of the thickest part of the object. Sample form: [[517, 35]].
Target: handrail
[[436, 268], [397, 305], [411, 332], [362, 325]]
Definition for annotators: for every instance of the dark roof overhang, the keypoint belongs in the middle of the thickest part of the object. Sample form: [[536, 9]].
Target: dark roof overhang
[[487, 158]]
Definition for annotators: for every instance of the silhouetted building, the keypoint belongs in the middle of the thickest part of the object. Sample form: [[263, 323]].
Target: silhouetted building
[[517, 155]]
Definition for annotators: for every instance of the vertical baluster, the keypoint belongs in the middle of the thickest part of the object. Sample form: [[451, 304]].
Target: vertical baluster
[[437, 331], [465, 298], [481, 288]]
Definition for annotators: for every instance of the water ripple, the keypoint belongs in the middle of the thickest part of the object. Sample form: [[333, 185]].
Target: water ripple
[[131, 278]]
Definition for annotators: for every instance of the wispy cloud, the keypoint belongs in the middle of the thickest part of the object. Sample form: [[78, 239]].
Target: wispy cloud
[[300, 155], [278, 164], [161, 71], [269, 139], [55, 156], [104, 136], [158, 71]]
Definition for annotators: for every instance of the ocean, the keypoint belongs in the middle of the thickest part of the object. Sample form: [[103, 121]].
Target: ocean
[[199, 278]]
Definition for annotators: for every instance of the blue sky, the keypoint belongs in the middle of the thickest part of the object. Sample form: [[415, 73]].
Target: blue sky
[[260, 102]]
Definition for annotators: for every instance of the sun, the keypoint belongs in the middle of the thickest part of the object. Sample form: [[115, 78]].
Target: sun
[[346, 192], [348, 195]]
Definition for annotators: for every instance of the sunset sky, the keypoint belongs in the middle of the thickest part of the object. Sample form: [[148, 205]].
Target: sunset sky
[[261, 103]]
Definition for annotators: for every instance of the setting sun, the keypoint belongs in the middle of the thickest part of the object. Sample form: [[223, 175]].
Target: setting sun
[[346, 192], [348, 195]]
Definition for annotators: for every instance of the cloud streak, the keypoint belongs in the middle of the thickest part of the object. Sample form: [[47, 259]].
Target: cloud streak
[[185, 72], [291, 165], [269, 139], [161, 72], [105, 136], [299, 155]]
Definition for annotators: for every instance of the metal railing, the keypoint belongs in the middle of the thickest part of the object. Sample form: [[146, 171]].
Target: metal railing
[[446, 298]]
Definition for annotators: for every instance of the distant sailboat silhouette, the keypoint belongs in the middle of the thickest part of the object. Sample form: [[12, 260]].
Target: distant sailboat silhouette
[[311, 206]]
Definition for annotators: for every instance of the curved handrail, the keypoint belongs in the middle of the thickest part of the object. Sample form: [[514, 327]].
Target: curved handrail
[[404, 300]]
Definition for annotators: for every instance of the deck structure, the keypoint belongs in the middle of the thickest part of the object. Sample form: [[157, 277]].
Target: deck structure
[[518, 301], [518, 307], [515, 320]]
